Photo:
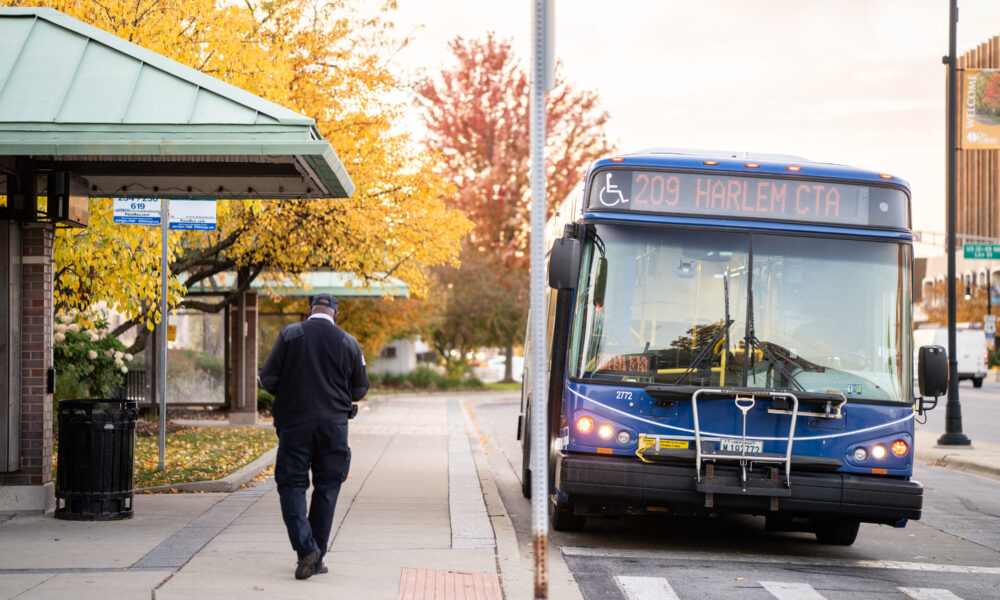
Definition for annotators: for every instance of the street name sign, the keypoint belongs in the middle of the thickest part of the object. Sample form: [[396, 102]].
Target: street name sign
[[989, 251], [191, 214]]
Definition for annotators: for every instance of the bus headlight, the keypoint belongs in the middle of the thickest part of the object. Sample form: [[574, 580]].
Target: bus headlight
[[624, 438], [860, 454], [585, 424], [878, 452], [605, 431]]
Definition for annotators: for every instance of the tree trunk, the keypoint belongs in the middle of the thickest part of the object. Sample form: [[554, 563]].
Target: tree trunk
[[508, 366]]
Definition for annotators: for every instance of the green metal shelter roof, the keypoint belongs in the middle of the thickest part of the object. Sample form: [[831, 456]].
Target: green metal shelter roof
[[135, 123]]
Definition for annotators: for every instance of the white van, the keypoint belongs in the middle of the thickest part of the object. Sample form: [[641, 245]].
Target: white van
[[970, 346]]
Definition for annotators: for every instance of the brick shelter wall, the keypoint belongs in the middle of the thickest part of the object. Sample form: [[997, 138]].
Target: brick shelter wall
[[36, 358]]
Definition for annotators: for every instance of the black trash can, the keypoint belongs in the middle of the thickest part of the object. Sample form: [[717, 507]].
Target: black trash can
[[95, 471]]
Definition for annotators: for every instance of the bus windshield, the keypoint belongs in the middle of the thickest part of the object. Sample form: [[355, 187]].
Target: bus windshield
[[712, 308]]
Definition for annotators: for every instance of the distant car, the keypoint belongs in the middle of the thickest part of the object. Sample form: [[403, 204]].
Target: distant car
[[970, 350], [499, 362]]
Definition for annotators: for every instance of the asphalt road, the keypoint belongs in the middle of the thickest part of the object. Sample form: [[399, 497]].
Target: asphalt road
[[980, 410], [953, 552]]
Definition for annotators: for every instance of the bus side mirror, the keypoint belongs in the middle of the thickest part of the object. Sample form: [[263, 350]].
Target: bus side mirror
[[564, 264], [932, 373]]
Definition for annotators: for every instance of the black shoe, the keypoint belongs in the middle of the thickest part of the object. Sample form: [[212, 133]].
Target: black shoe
[[305, 568], [320, 568]]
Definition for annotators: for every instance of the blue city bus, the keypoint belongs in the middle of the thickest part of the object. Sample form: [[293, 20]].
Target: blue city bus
[[729, 333]]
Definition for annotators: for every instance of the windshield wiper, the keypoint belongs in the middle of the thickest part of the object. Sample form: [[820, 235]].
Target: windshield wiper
[[724, 330], [750, 339], [774, 359]]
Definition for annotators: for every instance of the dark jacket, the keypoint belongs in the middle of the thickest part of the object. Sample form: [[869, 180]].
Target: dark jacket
[[315, 370]]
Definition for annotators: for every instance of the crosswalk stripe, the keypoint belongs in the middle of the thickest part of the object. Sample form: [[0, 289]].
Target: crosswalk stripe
[[791, 591], [645, 588], [783, 560], [928, 594]]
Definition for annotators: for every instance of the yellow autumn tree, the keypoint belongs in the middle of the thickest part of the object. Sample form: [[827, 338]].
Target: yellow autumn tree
[[324, 59]]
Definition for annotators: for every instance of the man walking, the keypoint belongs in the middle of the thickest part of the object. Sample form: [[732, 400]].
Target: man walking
[[316, 372]]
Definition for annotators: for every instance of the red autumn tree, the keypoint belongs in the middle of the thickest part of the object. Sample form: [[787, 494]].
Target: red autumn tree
[[477, 118]]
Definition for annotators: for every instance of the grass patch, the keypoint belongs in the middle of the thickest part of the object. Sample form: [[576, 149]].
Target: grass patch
[[503, 387], [196, 454], [200, 454]]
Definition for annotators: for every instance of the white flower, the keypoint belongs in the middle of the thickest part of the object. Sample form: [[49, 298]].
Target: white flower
[[108, 353], [91, 354], [119, 355], [94, 337], [124, 369], [119, 363], [60, 336], [75, 328], [66, 318], [128, 357]]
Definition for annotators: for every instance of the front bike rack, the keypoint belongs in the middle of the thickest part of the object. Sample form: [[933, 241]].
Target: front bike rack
[[745, 401]]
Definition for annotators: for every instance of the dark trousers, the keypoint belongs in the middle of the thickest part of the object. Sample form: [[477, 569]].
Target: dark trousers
[[321, 446]]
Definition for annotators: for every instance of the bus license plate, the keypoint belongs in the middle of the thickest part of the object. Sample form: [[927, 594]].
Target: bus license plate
[[731, 445]]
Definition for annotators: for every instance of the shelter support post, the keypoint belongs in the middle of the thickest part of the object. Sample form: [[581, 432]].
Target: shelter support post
[[243, 343]]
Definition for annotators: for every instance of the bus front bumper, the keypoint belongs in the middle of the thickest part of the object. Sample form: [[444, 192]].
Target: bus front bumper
[[621, 480]]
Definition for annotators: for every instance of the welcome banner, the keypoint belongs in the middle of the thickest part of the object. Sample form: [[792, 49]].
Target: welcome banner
[[980, 109]]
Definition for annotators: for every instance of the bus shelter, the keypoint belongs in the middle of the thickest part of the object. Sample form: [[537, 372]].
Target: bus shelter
[[86, 114]]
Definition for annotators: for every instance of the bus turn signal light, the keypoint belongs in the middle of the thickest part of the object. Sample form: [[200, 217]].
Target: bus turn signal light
[[899, 448], [584, 424]]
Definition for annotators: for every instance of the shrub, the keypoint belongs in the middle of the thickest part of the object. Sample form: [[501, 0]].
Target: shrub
[[264, 400], [89, 362], [473, 382], [423, 377]]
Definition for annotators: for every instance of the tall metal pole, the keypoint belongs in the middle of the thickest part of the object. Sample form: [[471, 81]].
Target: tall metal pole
[[540, 81], [161, 356], [953, 435]]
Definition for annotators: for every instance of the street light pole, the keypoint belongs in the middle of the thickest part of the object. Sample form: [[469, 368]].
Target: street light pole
[[953, 435]]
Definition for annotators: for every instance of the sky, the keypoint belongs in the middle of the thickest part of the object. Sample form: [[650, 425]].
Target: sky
[[854, 82]]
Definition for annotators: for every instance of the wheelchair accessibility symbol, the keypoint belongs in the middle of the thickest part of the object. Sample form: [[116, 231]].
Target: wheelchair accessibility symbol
[[610, 195]]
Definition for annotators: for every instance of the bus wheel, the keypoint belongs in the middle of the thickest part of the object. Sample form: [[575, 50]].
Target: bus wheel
[[563, 519], [526, 460], [525, 475], [837, 531], [977, 382]]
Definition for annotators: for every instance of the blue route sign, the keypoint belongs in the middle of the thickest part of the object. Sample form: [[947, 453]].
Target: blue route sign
[[185, 214]]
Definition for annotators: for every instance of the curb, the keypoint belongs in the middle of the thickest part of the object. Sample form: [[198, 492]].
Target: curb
[[515, 565], [946, 457], [229, 483]]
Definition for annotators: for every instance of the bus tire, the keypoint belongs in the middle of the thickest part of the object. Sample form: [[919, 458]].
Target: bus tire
[[977, 382], [563, 518], [837, 531], [526, 457], [526, 475]]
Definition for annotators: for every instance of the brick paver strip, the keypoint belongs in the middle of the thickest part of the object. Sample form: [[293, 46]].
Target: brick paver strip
[[426, 584]]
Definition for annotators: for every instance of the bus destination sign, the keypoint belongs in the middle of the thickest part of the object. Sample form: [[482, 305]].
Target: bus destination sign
[[762, 198]]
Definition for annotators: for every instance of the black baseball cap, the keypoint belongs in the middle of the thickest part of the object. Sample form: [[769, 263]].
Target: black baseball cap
[[323, 300]]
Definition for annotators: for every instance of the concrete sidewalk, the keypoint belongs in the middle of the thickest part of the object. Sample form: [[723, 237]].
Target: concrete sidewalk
[[411, 522], [981, 458]]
